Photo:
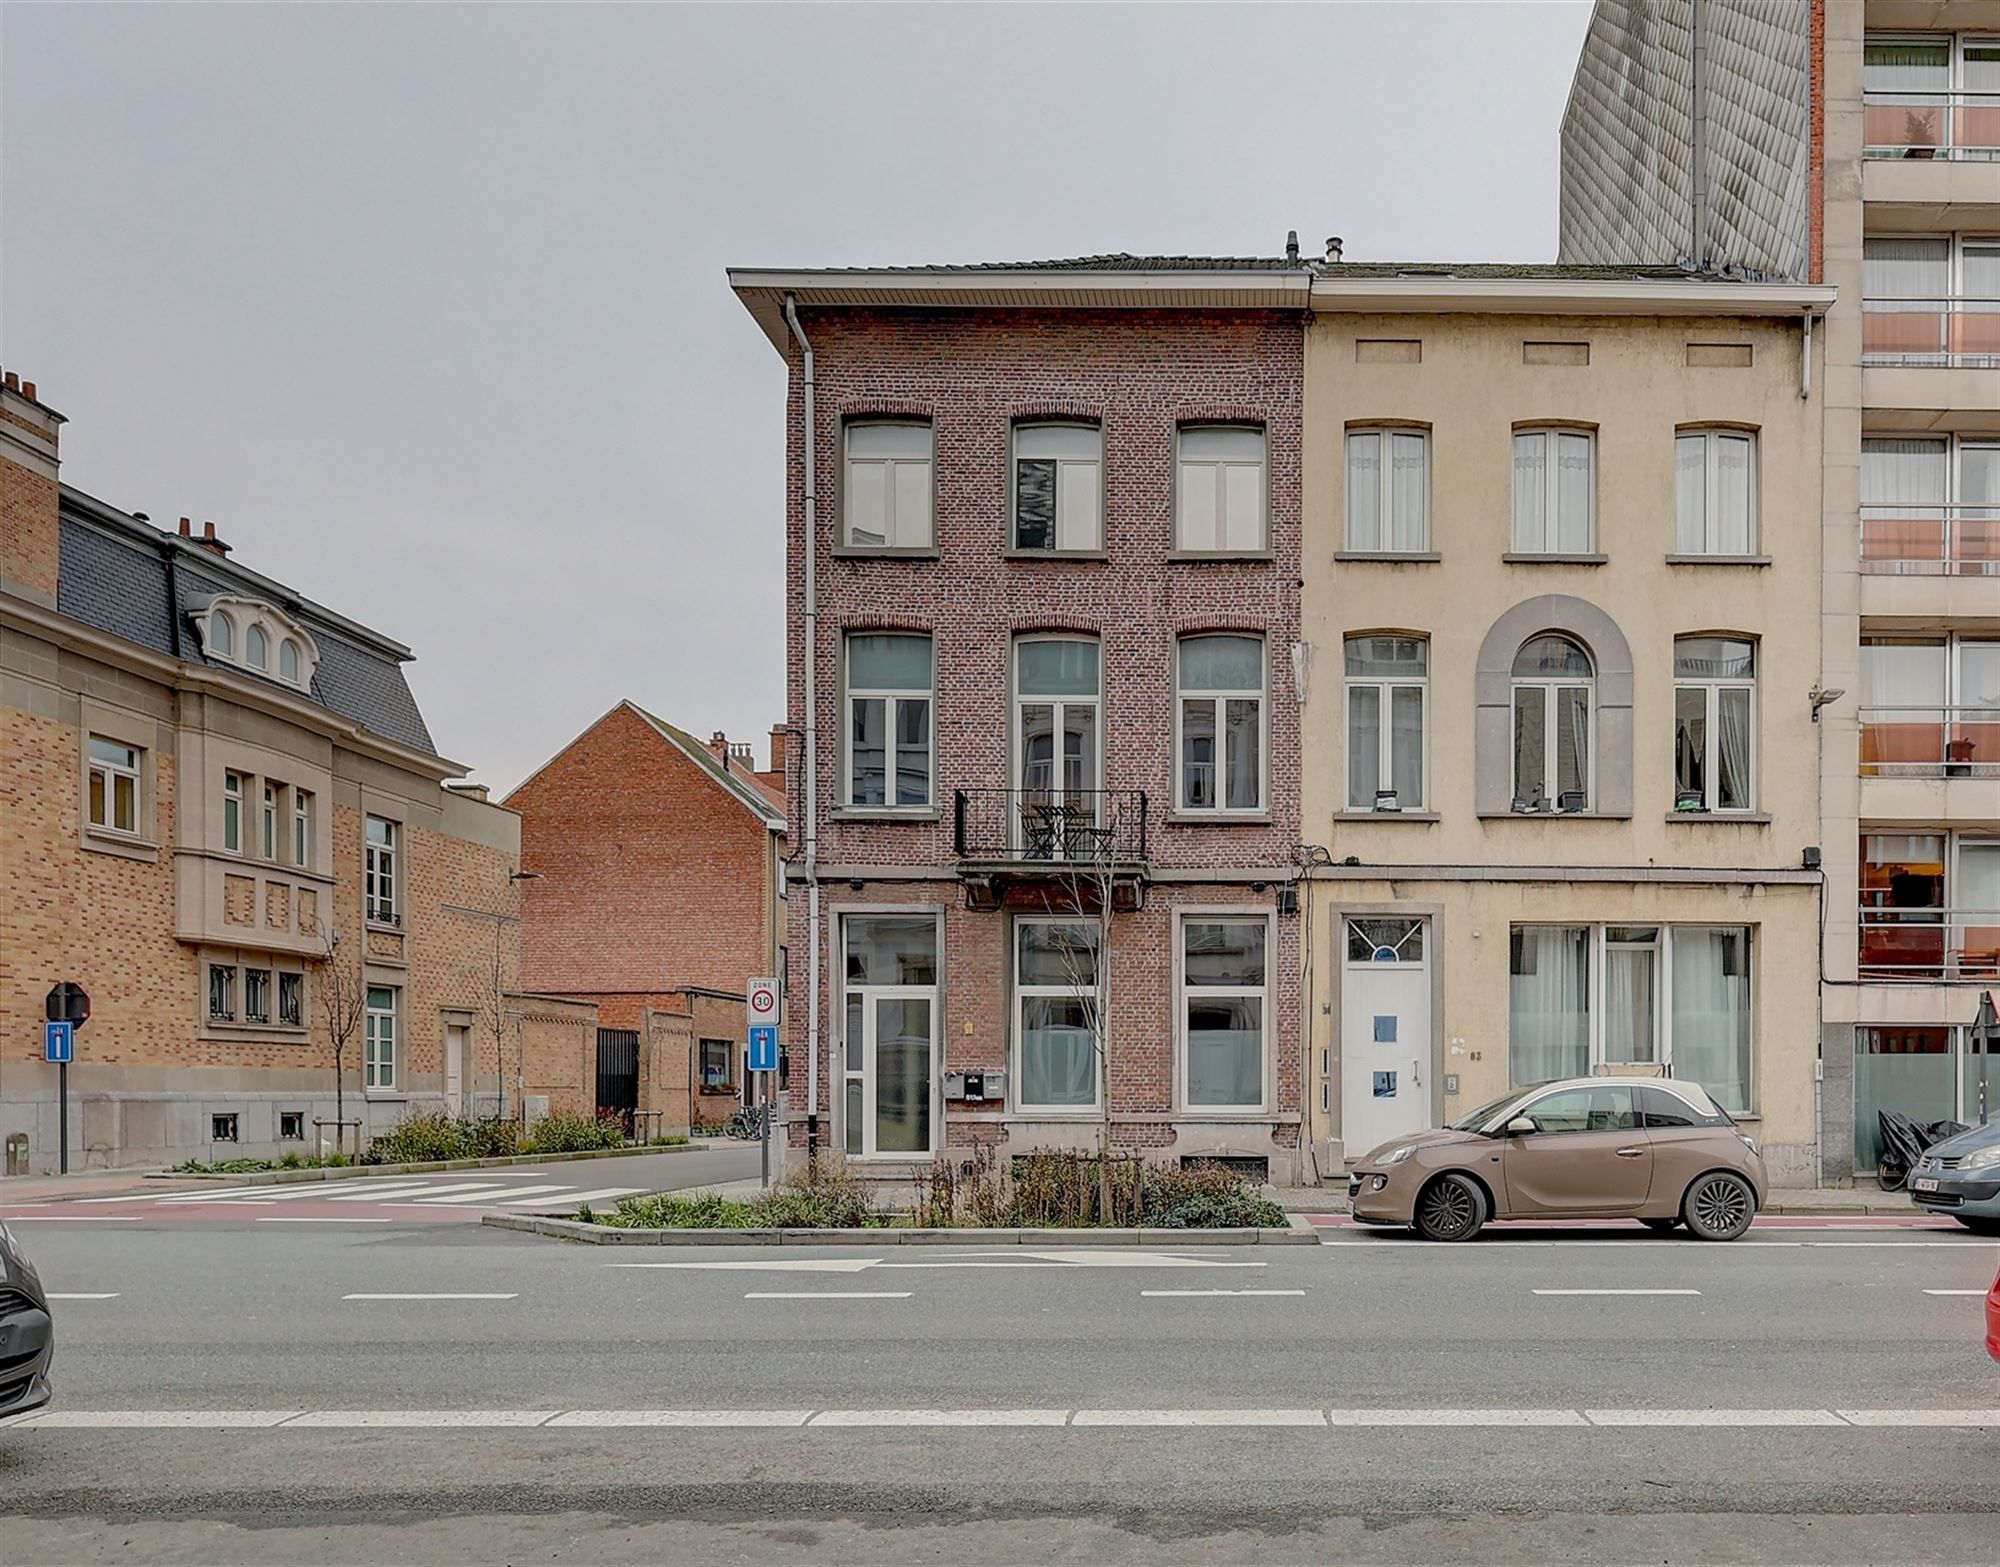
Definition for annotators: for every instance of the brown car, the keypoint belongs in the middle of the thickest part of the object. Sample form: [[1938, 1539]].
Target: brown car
[[1654, 1149]]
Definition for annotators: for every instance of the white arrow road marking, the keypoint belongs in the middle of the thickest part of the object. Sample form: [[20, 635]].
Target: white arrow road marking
[[800, 1265]]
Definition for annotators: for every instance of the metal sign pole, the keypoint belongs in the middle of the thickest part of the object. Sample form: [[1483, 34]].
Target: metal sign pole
[[764, 1142], [62, 1099], [1985, 1026]]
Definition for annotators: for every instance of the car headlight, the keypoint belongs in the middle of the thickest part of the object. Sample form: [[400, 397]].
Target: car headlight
[[1397, 1155], [1980, 1158], [1747, 1140]]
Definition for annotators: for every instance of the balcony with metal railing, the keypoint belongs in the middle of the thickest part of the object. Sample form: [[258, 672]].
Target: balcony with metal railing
[[1945, 124], [1954, 331], [1052, 830], [1902, 539], [1928, 943], [1930, 742]]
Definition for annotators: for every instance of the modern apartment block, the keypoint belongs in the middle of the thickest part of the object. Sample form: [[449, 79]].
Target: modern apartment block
[[1902, 151], [217, 796], [1043, 553], [1562, 565]]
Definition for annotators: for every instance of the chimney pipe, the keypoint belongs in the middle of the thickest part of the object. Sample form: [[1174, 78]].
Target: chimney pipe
[[28, 390], [1333, 247], [187, 528], [779, 736], [13, 382], [209, 541], [1292, 245]]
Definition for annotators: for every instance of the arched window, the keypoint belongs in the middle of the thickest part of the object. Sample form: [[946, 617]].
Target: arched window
[[1554, 699], [288, 661], [254, 650], [221, 635]]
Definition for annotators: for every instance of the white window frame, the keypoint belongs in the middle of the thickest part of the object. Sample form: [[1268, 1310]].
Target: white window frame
[[380, 1039], [1070, 471], [261, 665], [890, 543], [302, 804], [1024, 993], [1663, 988], [892, 696], [1711, 437], [1218, 701], [865, 1073], [1057, 789], [268, 839], [1189, 471], [1711, 762], [1224, 914], [232, 811], [1551, 436], [381, 863], [1385, 757], [1385, 490], [110, 772], [1550, 750]]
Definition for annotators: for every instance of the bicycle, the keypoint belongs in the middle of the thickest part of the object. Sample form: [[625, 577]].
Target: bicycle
[[748, 1124]]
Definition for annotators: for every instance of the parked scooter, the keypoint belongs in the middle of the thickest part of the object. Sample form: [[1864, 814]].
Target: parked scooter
[[1904, 1142]]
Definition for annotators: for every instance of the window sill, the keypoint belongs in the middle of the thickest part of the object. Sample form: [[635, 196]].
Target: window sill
[[1057, 555], [1718, 560], [1721, 818], [1555, 816], [883, 552], [883, 813], [1386, 816], [1219, 818], [389, 927], [1388, 557], [1190, 556], [385, 1096], [255, 1033], [126, 846], [1554, 558]]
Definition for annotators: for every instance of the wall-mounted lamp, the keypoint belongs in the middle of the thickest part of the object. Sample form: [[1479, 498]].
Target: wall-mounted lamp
[[1821, 697]]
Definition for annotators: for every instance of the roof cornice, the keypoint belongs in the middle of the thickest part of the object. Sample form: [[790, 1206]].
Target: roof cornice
[[1566, 296]]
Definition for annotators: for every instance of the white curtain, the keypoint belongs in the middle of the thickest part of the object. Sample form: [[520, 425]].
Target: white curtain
[[1733, 731], [1530, 492], [1549, 1003], [1573, 493], [1628, 1004], [1690, 494], [1364, 492], [1573, 741], [1903, 472], [1364, 745], [1408, 494], [1711, 1000], [1918, 269]]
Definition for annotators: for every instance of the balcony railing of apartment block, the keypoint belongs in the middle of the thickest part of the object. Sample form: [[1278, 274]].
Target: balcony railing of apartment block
[[1902, 539], [1929, 943], [1962, 329], [1953, 125], [1930, 742], [1059, 827]]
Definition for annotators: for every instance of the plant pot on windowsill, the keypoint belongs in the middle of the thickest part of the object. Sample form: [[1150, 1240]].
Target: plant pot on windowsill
[[1690, 802], [719, 1088]]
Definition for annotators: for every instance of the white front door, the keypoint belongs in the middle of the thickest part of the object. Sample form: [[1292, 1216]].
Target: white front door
[[1385, 1030], [454, 1067]]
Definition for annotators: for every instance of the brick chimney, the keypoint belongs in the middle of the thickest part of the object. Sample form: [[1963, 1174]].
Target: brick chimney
[[779, 736], [208, 539], [30, 525]]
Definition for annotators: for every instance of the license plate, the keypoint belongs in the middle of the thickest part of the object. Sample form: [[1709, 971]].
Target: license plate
[[1924, 1185]]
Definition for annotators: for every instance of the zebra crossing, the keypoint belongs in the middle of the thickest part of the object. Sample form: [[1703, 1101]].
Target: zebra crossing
[[515, 1189]]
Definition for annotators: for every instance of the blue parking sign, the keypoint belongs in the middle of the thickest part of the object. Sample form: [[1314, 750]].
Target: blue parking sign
[[763, 1047], [58, 1043]]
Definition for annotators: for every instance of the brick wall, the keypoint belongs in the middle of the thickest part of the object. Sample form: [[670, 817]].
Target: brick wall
[[558, 1046], [653, 876]]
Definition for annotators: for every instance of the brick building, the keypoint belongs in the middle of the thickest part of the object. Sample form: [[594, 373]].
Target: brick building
[[218, 794], [1043, 552], [658, 895]]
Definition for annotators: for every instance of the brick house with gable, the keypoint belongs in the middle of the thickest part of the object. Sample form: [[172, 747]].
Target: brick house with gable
[[658, 896], [1043, 558]]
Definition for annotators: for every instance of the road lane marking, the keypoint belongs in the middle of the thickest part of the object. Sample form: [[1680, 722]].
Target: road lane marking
[[1920, 1417], [682, 1417], [940, 1417], [1186, 1294], [426, 1419], [54, 1296], [439, 1296], [292, 1218], [1199, 1417], [569, 1198], [1712, 1417], [369, 1191], [1455, 1417], [495, 1196], [163, 1419], [274, 1193], [828, 1295], [66, 1218], [1616, 1292], [798, 1265], [401, 1193], [1954, 1292]]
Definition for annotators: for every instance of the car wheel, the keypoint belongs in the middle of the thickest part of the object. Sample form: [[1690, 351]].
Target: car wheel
[[1661, 1226], [1978, 1226], [1719, 1206], [1451, 1208]]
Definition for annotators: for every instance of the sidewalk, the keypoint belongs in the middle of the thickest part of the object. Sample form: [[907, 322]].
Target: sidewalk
[[81, 1183], [1859, 1200]]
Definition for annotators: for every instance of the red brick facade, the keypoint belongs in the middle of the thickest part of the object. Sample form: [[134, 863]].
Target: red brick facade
[[1140, 376]]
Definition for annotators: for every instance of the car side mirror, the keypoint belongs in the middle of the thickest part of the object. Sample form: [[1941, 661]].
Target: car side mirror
[[1522, 1126]]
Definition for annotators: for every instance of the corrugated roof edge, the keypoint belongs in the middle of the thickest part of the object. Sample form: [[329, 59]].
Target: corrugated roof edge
[[109, 517]]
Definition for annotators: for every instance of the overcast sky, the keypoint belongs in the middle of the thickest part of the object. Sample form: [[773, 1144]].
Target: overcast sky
[[425, 307]]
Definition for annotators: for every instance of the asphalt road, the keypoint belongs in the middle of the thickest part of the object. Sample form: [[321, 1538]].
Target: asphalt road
[[1812, 1329]]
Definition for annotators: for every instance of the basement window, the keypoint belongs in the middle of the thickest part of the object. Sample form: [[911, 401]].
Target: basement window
[[292, 1125], [222, 1128]]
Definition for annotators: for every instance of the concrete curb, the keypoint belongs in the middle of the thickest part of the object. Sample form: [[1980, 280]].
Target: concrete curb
[[1170, 1240], [348, 1172]]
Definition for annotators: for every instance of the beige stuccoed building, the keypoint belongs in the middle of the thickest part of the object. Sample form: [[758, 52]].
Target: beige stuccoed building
[[1561, 622]]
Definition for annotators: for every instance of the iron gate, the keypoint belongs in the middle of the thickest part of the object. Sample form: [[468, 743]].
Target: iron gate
[[618, 1072]]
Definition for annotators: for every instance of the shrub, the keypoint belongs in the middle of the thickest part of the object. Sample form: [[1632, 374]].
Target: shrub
[[823, 1197], [428, 1138], [1201, 1197], [575, 1133], [666, 1140]]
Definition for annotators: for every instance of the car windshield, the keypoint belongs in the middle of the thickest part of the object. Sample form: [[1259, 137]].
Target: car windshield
[[1486, 1112]]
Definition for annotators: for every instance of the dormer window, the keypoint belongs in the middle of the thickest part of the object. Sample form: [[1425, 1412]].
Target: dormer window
[[257, 636]]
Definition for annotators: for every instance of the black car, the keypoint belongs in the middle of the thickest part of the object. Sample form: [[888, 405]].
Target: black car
[[27, 1336]]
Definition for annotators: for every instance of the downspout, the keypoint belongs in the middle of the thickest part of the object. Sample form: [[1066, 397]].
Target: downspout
[[1805, 357], [810, 441]]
